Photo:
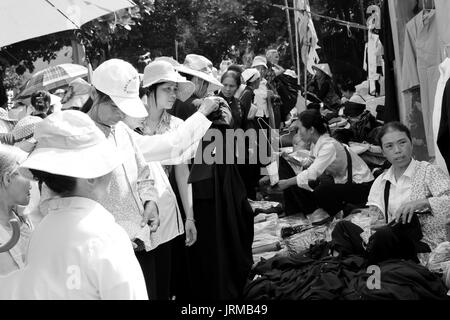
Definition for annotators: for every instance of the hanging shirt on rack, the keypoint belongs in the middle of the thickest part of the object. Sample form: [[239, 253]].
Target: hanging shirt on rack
[[421, 59], [444, 69]]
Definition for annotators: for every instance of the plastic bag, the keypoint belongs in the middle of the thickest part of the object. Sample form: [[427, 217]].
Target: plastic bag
[[439, 260]]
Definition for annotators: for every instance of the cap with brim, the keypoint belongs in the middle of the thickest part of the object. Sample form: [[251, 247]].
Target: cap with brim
[[120, 81], [250, 74], [70, 144], [259, 61], [162, 71]]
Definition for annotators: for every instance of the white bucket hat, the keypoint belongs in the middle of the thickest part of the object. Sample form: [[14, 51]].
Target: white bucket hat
[[250, 74], [77, 94], [259, 61], [120, 81], [162, 71], [324, 67], [70, 144], [171, 60], [201, 67]]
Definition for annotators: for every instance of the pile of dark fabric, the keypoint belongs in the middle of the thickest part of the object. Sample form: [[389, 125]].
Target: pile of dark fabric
[[338, 270]]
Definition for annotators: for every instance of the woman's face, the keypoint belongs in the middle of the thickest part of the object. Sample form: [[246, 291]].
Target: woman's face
[[18, 189], [201, 86], [109, 113], [305, 134], [229, 87], [166, 95], [397, 148]]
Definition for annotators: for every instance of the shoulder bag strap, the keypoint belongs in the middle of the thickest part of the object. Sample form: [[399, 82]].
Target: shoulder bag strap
[[387, 188], [349, 166]]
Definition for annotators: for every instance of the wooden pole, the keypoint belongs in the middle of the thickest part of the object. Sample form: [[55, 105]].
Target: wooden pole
[[176, 50], [291, 43], [297, 47]]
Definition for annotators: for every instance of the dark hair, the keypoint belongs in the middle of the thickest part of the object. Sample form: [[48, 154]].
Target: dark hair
[[232, 74], [90, 102], [313, 119], [40, 100], [235, 67], [348, 86], [57, 183], [393, 126], [186, 75]]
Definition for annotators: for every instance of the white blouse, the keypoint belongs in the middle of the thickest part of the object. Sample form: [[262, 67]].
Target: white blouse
[[328, 156], [77, 252]]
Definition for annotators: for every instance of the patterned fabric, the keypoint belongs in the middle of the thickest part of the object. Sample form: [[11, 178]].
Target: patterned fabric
[[166, 123], [430, 182]]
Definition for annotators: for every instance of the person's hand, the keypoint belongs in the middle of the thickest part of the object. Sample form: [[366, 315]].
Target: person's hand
[[406, 211], [151, 216], [264, 181], [191, 232], [209, 105], [283, 185]]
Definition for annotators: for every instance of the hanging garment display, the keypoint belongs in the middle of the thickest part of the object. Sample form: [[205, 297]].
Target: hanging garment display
[[444, 69], [421, 59], [373, 61]]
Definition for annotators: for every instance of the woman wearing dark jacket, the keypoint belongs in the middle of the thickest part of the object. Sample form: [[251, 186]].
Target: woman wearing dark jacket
[[250, 172], [231, 80]]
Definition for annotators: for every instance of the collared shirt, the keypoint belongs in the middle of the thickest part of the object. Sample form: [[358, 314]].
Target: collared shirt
[[328, 156], [77, 252], [132, 185], [171, 224], [399, 193]]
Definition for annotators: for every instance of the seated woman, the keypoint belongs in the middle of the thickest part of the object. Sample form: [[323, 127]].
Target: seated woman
[[332, 177], [14, 191], [416, 187]]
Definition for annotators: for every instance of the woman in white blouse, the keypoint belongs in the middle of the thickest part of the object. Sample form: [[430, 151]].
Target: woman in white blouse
[[14, 190], [77, 251], [416, 187], [332, 176], [162, 85]]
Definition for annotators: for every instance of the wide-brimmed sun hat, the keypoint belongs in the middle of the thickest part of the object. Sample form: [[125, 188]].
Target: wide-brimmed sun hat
[[259, 61], [324, 67], [250, 74], [69, 143], [162, 71], [120, 81], [77, 94], [201, 67]]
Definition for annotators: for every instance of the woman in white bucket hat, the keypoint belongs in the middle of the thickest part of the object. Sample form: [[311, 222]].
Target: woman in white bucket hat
[[162, 85], [199, 70], [78, 251], [132, 197]]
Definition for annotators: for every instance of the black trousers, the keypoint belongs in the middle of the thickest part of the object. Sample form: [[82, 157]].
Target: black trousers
[[330, 197], [157, 269]]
